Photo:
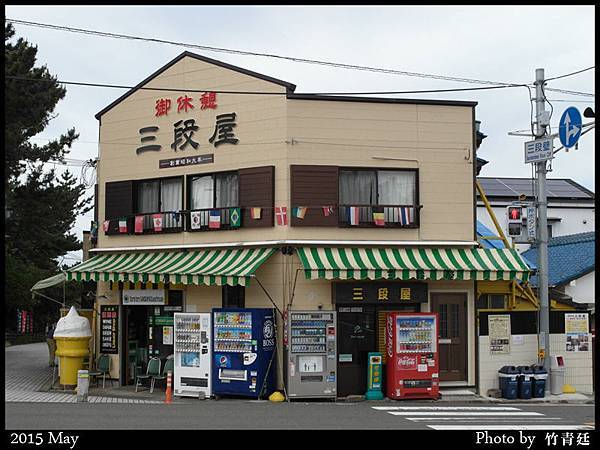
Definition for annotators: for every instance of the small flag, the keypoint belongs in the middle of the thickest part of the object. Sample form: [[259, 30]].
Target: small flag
[[139, 224], [106, 225], [214, 219], [379, 218], [255, 213], [157, 220], [234, 217], [406, 215], [122, 226], [281, 215], [354, 215], [94, 229], [327, 210], [299, 211], [196, 219]]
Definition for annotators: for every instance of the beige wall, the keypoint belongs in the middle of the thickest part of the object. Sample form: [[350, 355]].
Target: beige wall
[[435, 139]]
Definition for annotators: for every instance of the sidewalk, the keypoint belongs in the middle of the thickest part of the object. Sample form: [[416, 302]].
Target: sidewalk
[[468, 395]]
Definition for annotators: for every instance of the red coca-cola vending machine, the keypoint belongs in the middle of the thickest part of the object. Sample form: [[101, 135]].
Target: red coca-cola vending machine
[[412, 350]]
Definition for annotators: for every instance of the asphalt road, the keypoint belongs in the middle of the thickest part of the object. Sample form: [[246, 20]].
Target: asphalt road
[[244, 414]]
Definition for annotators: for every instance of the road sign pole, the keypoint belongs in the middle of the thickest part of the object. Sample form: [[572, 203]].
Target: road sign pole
[[542, 229]]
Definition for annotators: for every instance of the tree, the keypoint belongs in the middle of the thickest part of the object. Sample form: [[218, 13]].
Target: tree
[[41, 206]]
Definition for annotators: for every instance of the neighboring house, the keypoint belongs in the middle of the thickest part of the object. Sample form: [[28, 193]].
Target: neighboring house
[[313, 202], [571, 266], [571, 207], [571, 260]]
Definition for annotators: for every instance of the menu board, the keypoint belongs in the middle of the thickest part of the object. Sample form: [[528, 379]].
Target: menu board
[[109, 329]]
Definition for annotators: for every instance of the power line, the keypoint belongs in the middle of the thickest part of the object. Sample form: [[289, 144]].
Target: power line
[[570, 74], [247, 53], [167, 89], [289, 58]]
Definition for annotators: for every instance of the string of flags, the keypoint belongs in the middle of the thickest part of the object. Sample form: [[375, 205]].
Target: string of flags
[[231, 217]]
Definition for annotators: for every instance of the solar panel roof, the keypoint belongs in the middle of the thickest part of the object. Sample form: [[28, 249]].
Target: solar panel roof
[[512, 187]]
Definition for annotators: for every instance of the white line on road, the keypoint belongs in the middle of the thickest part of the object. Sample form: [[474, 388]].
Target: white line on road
[[462, 413], [446, 408], [552, 426], [496, 419]]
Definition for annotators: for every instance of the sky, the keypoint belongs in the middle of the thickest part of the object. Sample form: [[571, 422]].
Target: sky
[[496, 43]]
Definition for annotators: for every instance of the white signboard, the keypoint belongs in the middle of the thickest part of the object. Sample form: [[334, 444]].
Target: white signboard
[[539, 150], [531, 223], [308, 364], [144, 297], [499, 331], [576, 329]]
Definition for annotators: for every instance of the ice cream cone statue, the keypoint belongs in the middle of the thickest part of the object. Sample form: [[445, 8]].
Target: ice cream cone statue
[[72, 335]]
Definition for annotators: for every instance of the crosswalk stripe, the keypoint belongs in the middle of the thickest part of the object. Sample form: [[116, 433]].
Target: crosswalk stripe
[[482, 419], [444, 408], [552, 426], [462, 413]]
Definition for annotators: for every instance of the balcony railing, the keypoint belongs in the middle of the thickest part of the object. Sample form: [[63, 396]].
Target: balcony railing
[[199, 219], [171, 222], [394, 216]]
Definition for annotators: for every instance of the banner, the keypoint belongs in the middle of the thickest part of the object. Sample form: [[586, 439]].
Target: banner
[[109, 329]]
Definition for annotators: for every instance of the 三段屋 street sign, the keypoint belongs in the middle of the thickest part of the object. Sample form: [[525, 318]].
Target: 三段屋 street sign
[[569, 127], [539, 150]]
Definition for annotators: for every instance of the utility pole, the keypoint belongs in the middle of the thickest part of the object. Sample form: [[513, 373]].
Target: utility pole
[[542, 228]]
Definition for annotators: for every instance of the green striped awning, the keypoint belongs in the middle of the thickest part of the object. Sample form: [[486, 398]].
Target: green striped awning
[[225, 266], [412, 263]]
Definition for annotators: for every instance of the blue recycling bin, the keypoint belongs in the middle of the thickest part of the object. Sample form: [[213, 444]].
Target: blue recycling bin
[[525, 379], [508, 381], [540, 375]]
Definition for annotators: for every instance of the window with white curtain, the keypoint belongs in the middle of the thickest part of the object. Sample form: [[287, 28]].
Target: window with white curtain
[[214, 191], [155, 196], [377, 187]]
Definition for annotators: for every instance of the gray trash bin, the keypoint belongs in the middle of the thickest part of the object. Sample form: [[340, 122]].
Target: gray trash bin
[[83, 385], [557, 374]]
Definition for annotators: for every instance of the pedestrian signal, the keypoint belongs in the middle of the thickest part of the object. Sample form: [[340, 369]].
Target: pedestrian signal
[[515, 220]]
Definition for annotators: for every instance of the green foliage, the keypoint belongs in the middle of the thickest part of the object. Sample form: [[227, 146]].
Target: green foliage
[[41, 207]]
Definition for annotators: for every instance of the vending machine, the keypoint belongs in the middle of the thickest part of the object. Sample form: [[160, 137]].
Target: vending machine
[[412, 350], [243, 351], [192, 369], [311, 354]]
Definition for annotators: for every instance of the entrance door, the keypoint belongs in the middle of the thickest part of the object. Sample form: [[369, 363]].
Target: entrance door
[[356, 338], [452, 310]]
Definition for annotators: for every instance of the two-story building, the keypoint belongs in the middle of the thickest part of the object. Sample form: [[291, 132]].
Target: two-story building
[[218, 186]]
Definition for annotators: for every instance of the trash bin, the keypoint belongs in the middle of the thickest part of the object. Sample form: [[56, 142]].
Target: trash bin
[[508, 381], [83, 385], [557, 374], [72, 335], [524, 382], [540, 375]]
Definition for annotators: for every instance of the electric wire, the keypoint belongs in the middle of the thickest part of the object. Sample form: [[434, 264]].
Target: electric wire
[[570, 74], [289, 58], [168, 89]]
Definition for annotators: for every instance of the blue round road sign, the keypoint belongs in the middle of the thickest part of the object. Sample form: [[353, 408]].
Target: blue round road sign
[[569, 128]]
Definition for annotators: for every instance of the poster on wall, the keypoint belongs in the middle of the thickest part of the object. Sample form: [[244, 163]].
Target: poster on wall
[[576, 329], [499, 330], [109, 329], [167, 335]]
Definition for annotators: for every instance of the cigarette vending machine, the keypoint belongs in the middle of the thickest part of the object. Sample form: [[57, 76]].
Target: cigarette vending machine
[[243, 351], [192, 369], [412, 350], [311, 354]]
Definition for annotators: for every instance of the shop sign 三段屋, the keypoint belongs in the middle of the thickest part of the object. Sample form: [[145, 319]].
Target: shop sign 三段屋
[[144, 297], [185, 132], [380, 292]]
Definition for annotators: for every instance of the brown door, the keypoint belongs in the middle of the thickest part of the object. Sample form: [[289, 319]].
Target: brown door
[[452, 311]]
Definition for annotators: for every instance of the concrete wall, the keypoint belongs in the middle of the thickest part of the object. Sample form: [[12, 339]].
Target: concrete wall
[[578, 364]]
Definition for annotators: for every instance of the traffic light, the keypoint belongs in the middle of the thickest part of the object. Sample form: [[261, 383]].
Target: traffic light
[[515, 221]]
